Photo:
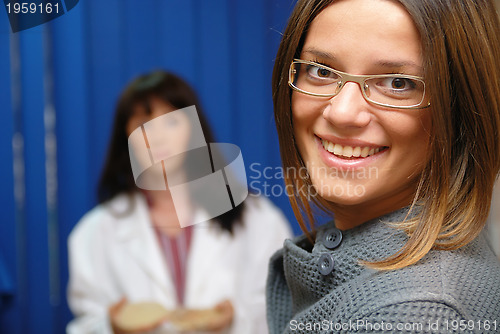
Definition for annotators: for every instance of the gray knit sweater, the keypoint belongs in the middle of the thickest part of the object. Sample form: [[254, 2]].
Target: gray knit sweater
[[321, 288]]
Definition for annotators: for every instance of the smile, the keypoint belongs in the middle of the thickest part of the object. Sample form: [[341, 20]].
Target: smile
[[350, 151]]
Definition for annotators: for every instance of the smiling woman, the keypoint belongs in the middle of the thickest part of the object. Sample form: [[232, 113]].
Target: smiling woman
[[411, 89]]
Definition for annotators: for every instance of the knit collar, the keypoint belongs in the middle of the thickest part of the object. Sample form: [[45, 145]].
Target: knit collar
[[373, 240]]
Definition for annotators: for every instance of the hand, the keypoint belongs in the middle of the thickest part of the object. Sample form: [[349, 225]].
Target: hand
[[113, 312], [224, 320]]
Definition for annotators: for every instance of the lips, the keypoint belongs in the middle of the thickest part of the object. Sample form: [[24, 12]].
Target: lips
[[350, 151]]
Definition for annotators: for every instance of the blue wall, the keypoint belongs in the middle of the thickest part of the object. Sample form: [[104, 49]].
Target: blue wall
[[58, 86]]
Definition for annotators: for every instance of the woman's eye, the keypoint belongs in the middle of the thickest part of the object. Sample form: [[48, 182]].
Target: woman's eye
[[398, 84], [321, 73]]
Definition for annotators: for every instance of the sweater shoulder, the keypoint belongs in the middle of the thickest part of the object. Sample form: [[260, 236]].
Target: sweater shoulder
[[466, 281]]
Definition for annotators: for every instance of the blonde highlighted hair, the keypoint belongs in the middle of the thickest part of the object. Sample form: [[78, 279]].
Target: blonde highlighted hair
[[461, 53]]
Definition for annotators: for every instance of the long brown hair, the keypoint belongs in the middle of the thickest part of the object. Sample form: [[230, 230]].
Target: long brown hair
[[117, 177], [461, 52]]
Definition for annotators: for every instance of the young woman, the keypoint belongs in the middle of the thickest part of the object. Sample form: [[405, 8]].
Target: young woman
[[394, 109], [131, 248]]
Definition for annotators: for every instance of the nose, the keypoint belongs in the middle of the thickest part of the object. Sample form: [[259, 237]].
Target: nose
[[348, 108]]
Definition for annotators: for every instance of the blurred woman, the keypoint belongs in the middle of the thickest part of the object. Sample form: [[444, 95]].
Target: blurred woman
[[131, 248]]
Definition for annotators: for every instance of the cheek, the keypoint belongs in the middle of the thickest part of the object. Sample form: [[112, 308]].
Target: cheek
[[300, 128], [305, 113], [306, 107], [411, 135]]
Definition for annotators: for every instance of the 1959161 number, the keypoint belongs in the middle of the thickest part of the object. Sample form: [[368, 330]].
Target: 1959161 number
[[31, 7], [471, 325]]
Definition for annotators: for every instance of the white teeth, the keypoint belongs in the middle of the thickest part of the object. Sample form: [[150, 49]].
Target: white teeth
[[349, 151], [330, 147], [356, 152], [337, 149]]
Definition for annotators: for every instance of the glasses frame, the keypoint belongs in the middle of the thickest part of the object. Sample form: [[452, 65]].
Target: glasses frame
[[360, 80]]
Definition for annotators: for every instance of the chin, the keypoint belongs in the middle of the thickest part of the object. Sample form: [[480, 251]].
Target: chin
[[343, 193], [344, 200]]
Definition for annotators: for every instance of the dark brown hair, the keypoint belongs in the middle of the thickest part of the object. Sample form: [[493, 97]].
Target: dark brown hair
[[461, 52], [117, 177]]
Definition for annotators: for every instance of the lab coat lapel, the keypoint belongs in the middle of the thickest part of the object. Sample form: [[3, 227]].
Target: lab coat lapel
[[140, 243], [207, 248]]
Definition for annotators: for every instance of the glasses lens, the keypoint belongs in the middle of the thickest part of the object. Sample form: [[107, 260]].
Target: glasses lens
[[314, 79], [397, 91]]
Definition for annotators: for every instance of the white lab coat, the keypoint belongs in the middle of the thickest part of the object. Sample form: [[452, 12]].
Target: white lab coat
[[112, 257]]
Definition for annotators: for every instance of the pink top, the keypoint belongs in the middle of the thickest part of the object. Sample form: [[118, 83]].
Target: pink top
[[176, 251]]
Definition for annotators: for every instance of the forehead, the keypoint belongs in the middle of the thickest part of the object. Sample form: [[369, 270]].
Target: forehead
[[369, 32]]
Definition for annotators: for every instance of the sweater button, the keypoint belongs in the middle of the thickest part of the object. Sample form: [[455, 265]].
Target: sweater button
[[325, 264], [332, 238]]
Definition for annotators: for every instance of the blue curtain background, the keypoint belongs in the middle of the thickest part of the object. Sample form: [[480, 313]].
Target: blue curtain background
[[58, 86]]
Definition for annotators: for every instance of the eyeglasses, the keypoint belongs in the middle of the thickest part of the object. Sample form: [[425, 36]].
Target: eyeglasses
[[388, 90]]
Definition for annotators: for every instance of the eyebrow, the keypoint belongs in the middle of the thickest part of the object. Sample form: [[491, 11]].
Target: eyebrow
[[399, 64], [319, 53], [381, 63]]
